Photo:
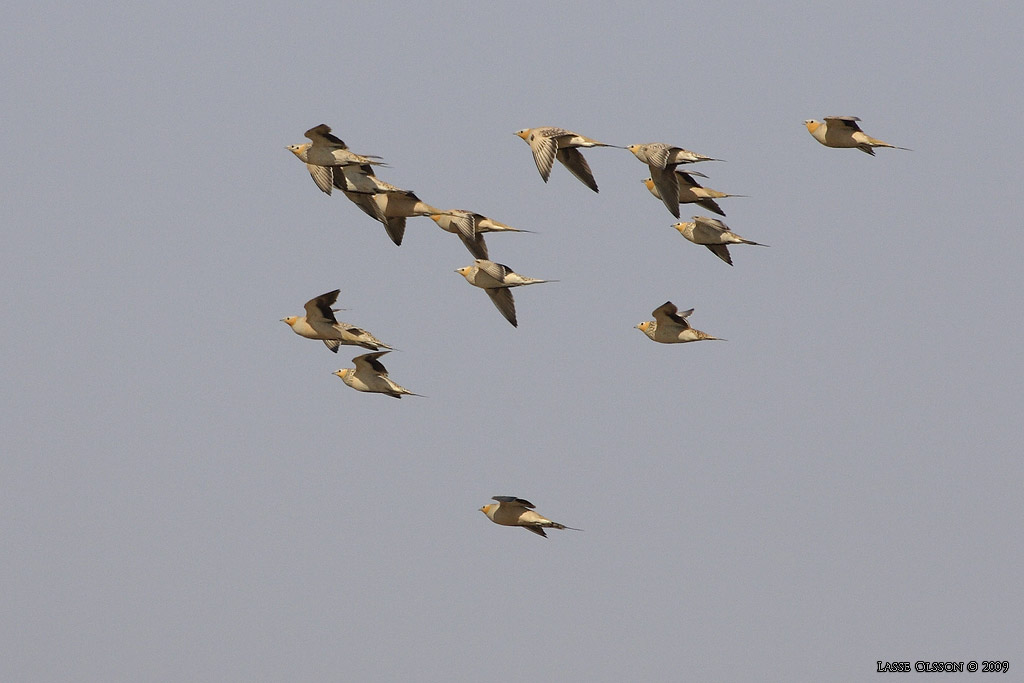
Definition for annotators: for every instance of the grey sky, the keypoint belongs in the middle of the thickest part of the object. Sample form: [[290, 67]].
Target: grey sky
[[187, 493]]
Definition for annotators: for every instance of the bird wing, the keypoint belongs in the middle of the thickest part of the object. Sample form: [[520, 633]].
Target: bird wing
[[535, 529], [721, 251], [356, 179], [367, 204], [322, 135], [544, 149], [668, 313], [711, 205], [687, 177], [573, 160], [512, 500], [319, 308], [657, 154], [395, 227], [710, 228], [476, 245], [369, 361], [497, 271], [504, 302], [464, 222], [323, 176], [668, 187], [849, 122]]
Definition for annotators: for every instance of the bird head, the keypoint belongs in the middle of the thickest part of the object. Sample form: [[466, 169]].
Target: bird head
[[464, 271], [291, 320], [488, 509], [341, 373], [298, 150], [524, 133], [644, 326], [812, 125]]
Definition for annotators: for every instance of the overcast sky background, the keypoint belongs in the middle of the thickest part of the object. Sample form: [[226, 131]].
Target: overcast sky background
[[188, 494]]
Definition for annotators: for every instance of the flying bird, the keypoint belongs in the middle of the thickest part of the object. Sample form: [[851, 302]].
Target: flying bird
[[320, 323], [326, 154], [671, 327], [496, 279], [548, 144], [391, 206], [662, 159], [692, 192], [843, 131], [470, 226], [371, 376], [713, 234], [512, 511]]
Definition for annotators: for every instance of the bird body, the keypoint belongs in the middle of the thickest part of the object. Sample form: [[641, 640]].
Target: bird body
[[326, 149], [713, 234], [320, 323], [843, 132], [390, 206], [512, 511], [662, 159], [496, 279], [692, 192], [549, 143], [671, 327], [370, 375], [663, 155], [470, 226]]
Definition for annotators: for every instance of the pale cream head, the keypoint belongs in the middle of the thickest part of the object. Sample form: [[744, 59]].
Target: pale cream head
[[341, 373], [523, 133], [291, 320]]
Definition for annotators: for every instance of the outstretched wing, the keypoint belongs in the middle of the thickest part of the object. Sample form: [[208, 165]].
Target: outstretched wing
[[319, 308]]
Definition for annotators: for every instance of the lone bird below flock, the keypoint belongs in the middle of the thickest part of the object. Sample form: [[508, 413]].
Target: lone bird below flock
[[512, 511], [371, 376], [692, 192], [843, 131], [662, 159], [550, 143], [713, 234], [496, 279], [670, 327], [320, 323]]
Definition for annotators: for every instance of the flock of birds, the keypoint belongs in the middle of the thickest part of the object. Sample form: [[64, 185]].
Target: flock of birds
[[334, 167]]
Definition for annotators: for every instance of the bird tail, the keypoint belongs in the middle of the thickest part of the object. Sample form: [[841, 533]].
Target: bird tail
[[556, 525], [879, 143], [756, 244]]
